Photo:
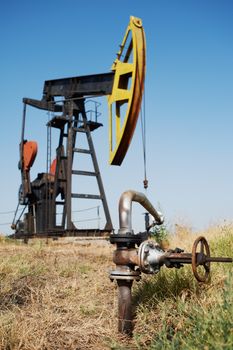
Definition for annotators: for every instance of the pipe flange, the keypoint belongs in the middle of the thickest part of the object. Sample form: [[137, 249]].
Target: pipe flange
[[127, 275], [128, 238]]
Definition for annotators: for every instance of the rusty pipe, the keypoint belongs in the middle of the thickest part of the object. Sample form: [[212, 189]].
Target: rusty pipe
[[125, 317], [126, 257], [125, 210]]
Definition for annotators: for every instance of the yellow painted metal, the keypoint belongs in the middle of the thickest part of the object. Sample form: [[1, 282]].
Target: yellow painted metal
[[125, 101]]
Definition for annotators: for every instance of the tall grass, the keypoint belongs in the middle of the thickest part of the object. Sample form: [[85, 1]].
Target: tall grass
[[175, 312]]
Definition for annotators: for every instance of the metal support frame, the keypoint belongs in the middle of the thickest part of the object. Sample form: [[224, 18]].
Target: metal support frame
[[73, 116], [45, 189], [123, 86]]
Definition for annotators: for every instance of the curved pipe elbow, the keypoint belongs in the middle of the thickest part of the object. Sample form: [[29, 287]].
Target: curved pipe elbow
[[125, 210]]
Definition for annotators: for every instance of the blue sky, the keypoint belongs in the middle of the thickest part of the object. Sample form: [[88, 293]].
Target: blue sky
[[188, 99]]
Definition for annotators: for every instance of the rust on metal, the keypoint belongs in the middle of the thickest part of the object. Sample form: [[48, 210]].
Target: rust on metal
[[125, 316], [200, 259], [125, 257]]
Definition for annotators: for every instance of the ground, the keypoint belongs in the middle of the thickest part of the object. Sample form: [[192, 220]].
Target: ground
[[57, 295]]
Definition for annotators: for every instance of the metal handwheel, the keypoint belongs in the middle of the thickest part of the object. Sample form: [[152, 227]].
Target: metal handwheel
[[200, 259]]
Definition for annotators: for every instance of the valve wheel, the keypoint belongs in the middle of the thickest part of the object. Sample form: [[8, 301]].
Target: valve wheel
[[200, 261]]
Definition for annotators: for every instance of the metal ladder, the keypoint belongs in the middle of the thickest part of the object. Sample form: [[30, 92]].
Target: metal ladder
[[73, 121]]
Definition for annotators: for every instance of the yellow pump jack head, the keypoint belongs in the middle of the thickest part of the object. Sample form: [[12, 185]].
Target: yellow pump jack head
[[125, 101]]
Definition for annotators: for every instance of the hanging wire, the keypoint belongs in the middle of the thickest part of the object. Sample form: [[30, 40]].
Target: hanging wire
[[14, 224], [81, 210], [84, 220], [143, 130], [7, 212], [74, 211]]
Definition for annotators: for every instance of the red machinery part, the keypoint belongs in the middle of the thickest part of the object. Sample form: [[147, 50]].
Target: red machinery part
[[29, 154]]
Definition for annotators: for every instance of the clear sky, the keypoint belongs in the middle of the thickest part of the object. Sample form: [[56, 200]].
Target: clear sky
[[188, 99]]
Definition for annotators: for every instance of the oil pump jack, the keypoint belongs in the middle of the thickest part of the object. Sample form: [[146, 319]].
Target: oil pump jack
[[65, 99], [135, 253]]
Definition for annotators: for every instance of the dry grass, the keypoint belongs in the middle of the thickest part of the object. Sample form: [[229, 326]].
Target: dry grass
[[184, 236], [58, 296]]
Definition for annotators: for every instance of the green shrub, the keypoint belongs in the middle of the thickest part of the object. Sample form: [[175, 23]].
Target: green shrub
[[160, 234]]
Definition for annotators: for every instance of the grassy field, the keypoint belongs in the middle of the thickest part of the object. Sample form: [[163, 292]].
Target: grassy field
[[58, 296]]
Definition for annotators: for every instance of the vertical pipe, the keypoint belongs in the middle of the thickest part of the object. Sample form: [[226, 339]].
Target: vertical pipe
[[21, 160], [69, 152], [125, 317], [23, 127], [69, 174]]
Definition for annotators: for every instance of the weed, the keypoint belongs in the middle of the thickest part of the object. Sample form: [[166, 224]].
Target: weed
[[160, 233]]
